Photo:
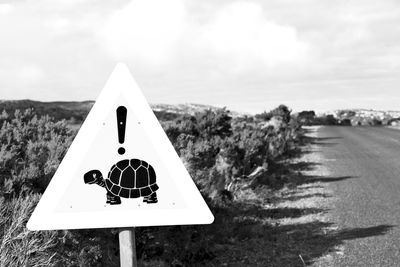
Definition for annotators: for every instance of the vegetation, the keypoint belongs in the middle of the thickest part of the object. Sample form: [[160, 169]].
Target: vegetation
[[73, 111], [30, 151], [226, 157], [350, 118]]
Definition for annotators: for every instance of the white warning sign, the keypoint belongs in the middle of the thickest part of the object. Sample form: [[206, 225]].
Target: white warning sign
[[121, 170]]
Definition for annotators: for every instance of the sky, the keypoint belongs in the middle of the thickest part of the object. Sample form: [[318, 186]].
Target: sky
[[249, 56]]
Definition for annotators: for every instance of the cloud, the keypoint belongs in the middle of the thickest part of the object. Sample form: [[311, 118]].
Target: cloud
[[241, 33], [238, 36], [145, 30], [6, 9], [31, 74], [245, 54]]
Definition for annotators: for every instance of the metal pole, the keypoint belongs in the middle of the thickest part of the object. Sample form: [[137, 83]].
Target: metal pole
[[127, 247]]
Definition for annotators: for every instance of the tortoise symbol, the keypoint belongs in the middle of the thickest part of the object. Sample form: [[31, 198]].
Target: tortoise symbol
[[128, 179]]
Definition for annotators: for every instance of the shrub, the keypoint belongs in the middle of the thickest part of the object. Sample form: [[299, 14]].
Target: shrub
[[214, 123], [282, 111], [197, 140], [246, 149], [306, 117], [30, 151], [214, 147]]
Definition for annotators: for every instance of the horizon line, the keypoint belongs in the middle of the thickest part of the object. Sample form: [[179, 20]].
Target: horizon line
[[215, 106]]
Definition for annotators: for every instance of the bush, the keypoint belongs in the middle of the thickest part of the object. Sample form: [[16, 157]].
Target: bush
[[30, 152], [306, 117], [214, 123], [326, 120], [246, 149], [282, 111], [197, 140], [215, 148]]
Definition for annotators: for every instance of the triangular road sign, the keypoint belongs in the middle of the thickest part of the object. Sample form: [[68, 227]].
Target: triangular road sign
[[148, 185]]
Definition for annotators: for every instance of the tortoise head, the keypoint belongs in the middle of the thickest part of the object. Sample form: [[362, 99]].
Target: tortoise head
[[92, 177]]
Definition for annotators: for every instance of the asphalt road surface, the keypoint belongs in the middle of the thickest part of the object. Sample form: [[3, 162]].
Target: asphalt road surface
[[364, 164]]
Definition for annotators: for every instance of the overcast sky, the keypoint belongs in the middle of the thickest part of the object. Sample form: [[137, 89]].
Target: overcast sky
[[246, 55]]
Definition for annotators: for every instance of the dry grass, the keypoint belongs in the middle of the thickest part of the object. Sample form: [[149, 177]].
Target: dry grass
[[18, 246]]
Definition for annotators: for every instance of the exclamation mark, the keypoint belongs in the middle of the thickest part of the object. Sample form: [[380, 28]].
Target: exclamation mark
[[121, 120]]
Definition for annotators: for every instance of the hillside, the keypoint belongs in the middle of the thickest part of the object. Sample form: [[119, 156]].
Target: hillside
[[357, 117], [77, 111], [59, 110], [181, 108], [366, 113], [350, 117]]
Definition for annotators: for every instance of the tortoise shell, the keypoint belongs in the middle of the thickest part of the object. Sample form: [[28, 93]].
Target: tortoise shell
[[131, 179]]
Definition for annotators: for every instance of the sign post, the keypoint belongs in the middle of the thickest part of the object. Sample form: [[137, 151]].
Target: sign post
[[127, 247]]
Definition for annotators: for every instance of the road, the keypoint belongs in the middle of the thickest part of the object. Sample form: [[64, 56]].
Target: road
[[364, 164]]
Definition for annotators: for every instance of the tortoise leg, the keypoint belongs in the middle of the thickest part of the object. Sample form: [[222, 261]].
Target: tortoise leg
[[114, 200], [108, 197], [151, 199]]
